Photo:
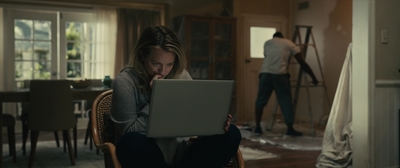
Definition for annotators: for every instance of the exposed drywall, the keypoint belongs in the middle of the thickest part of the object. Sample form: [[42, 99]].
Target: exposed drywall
[[332, 30], [387, 57]]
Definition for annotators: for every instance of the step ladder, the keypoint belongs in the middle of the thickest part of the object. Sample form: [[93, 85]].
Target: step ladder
[[321, 83]]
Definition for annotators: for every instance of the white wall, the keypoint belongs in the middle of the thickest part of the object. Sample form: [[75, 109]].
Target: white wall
[[376, 99], [387, 60], [332, 23], [385, 114], [363, 82]]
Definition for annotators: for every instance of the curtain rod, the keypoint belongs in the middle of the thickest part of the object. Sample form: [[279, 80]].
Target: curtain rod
[[86, 5]]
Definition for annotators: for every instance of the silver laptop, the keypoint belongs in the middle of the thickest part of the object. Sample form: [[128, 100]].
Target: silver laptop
[[180, 108]]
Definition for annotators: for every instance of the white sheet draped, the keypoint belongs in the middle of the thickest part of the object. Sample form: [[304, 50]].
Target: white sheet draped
[[337, 144]]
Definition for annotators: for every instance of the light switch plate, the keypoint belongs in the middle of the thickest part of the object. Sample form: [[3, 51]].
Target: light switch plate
[[384, 36]]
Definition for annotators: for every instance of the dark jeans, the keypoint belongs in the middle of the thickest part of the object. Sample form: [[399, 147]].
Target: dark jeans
[[136, 150], [280, 83]]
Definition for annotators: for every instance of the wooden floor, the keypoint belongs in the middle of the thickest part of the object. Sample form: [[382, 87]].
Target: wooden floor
[[289, 158]]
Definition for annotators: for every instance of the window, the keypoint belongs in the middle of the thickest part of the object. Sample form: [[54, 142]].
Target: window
[[53, 45], [32, 48], [258, 36], [77, 32]]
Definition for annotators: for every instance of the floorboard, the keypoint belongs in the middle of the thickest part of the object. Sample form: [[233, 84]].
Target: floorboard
[[288, 158]]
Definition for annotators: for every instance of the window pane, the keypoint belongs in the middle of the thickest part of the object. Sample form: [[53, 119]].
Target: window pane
[[71, 32], [42, 30], [42, 70], [23, 70], [23, 29], [74, 70], [42, 51], [258, 36], [74, 53], [23, 50], [79, 49], [19, 84]]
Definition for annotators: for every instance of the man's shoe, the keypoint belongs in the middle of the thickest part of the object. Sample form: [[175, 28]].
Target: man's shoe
[[293, 133], [258, 131]]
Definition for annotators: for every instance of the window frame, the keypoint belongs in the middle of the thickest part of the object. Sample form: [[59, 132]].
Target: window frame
[[9, 50], [74, 17]]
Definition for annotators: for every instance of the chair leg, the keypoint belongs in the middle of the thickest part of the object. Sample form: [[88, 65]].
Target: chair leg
[[64, 143], [11, 142], [25, 132], [75, 132], [71, 152], [9, 136], [91, 140], [56, 137], [88, 132], [34, 139], [75, 139]]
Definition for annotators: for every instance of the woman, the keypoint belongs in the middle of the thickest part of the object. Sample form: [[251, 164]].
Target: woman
[[158, 55]]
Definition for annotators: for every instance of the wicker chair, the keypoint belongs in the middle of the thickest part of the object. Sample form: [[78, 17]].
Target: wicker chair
[[103, 139]]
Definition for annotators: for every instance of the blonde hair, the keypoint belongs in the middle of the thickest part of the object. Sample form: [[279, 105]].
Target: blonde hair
[[156, 37]]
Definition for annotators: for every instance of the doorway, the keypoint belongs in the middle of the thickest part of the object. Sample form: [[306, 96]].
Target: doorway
[[257, 30]]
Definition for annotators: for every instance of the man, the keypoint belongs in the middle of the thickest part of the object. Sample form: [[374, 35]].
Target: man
[[274, 76]]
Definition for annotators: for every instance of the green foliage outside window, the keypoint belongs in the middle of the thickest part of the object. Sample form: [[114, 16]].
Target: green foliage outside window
[[73, 51], [73, 45]]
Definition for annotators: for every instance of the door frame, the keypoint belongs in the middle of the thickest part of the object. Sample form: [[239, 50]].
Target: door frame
[[242, 56]]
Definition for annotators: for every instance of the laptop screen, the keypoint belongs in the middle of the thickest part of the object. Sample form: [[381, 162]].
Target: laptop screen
[[189, 107]]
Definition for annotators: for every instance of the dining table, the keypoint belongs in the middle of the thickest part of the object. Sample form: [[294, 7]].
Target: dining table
[[22, 95]]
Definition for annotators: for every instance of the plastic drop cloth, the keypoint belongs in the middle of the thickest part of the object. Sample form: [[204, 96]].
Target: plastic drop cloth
[[337, 143]]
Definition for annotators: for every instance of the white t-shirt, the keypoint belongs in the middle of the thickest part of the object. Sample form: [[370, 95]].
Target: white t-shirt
[[277, 52]]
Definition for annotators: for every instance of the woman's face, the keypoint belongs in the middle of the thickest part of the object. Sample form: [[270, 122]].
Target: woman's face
[[160, 62]]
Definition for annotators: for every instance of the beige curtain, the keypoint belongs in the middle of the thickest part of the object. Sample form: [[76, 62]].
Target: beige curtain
[[130, 22], [105, 39]]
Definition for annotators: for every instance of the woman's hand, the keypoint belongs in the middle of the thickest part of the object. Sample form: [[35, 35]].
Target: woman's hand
[[156, 76], [228, 123]]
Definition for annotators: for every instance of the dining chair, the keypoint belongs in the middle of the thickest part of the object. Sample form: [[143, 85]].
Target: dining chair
[[103, 137], [24, 120], [50, 109], [9, 122]]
